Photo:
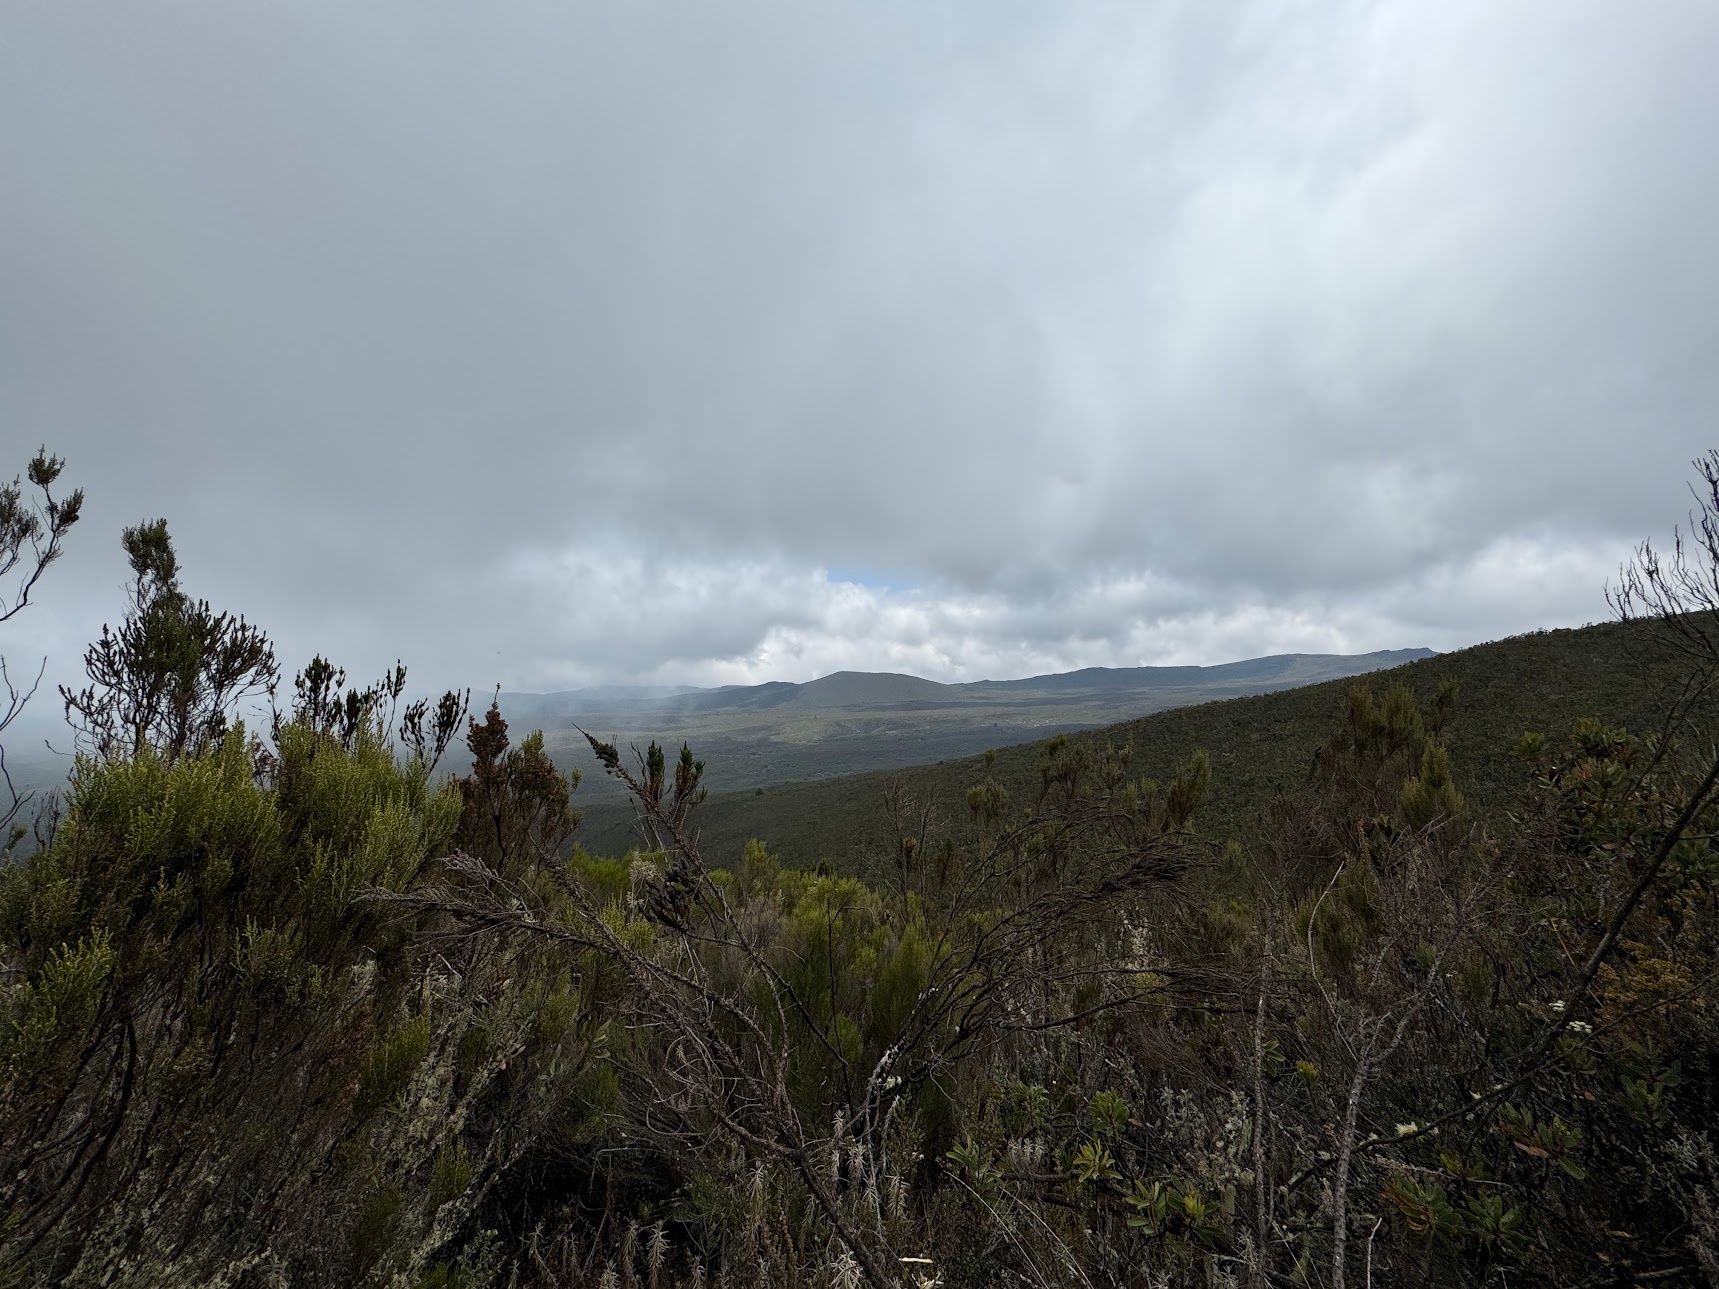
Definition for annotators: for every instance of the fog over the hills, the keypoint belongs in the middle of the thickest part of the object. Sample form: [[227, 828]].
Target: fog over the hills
[[565, 344]]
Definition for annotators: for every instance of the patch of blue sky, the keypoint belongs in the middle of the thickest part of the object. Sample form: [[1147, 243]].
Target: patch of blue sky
[[871, 579]]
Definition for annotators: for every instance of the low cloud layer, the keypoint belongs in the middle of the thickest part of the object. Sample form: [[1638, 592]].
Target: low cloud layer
[[561, 344], [741, 623]]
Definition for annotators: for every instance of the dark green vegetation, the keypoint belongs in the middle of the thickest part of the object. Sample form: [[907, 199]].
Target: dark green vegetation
[[1260, 746], [300, 1011], [33, 528], [757, 735]]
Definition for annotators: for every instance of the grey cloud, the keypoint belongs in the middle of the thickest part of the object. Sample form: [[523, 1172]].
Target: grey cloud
[[544, 342]]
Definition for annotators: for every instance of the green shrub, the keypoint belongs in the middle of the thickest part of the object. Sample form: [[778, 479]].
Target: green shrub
[[388, 1067]]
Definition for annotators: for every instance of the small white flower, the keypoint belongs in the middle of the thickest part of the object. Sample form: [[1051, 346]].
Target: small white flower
[[1581, 1027], [1557, 1006], [1407, 1129]]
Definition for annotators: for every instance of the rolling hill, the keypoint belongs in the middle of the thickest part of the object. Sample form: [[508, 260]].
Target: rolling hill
[[1259, 744], [757, 735], [844, 723]]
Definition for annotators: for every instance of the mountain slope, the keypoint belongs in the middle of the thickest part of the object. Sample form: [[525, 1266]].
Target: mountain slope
[[1259, 745], [869, 689], [757, 735], [1288, 668]]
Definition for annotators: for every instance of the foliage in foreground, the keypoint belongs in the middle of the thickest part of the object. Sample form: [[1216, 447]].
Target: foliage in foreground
[[261, 1029], [302, 1013]]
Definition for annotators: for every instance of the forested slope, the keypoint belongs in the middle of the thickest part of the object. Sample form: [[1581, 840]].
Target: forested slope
[[1259, 745]]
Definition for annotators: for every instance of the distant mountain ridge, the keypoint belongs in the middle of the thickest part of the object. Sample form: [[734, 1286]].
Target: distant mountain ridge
[[1282, 668], [752, 736], [842, 689], [849, 722], [1260, 743]]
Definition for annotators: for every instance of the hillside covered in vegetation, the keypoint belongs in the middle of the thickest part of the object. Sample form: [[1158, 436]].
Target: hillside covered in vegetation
[[757, 735], [1260, 746], [296, 1006]]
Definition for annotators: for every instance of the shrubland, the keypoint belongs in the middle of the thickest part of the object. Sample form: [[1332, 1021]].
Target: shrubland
[[285, 1006], [1260, 747]]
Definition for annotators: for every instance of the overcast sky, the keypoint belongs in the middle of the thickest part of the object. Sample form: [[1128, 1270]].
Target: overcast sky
[[557, 343]]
